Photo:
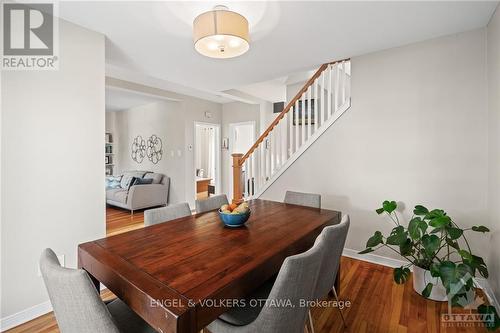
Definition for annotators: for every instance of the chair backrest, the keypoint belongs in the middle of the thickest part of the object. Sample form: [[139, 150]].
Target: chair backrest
[[165, 214], [211, 203], [284, 310], [334, 238], [76, 303], [303, 199]]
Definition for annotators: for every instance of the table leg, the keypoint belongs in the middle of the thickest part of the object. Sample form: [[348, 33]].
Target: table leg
[[96, 282]]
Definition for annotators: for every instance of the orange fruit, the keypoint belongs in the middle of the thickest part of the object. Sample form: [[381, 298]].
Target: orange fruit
[[232, 206]]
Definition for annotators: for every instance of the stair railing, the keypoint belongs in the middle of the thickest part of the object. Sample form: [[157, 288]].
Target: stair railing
[[316, 103]]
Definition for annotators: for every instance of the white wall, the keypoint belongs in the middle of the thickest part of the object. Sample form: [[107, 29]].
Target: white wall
[[416, 132], [194, 110], [52, 164], [236, 112], [494, 146], [160, 119], [176, 120]]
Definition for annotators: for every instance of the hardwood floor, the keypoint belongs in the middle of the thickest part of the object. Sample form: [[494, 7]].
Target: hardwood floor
[[120, 220], [377, 303]]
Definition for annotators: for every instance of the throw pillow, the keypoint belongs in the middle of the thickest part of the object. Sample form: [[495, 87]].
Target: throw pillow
[[143, 181]]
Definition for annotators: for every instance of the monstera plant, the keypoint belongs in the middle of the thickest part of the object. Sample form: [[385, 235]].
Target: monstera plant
[[443, 262]]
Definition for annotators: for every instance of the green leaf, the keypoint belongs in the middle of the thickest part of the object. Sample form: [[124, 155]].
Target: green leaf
[[398, 236], [380, 211], [465, 273], [389, 206], [374, 240], [417, 228], [480, 228], [478, 263], [492, 320], [434, 269], [440, 222], [430, 243], [414, 228], [420, 210], [368, 250], [401, 274], [455, 233], [406, 247], [447, 272], [465, 255], [453, 244], [434, 213], [427, 290]]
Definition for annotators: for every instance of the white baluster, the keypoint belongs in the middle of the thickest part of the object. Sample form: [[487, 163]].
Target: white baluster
[[262, 171], [269, 155], [277, 143], [284, 137], [337, 88], [245, 177], [316, 118], [289, 116], [297, 135], [329, 91], [344, 81], [250, 175], [303, 124], [323, 101], [309, 107]]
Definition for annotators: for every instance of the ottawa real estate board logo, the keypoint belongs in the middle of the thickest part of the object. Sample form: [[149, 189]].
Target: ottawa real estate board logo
[[30, 36]]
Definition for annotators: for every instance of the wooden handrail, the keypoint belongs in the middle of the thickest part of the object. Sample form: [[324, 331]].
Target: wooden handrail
[[288, 107]]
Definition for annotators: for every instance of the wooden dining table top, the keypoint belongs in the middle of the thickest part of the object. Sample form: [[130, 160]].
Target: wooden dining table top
[[179, 275]]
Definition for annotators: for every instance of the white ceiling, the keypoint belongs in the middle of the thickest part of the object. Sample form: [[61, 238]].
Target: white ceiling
[[154, 38], [120, 99]]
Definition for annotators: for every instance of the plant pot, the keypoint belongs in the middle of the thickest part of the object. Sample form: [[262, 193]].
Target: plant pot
[[421, 277]]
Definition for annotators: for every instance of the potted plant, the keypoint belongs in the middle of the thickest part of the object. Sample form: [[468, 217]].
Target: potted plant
[[443, 262]]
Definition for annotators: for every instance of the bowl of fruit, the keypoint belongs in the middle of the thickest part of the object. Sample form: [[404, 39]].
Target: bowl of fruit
[[234, 215]]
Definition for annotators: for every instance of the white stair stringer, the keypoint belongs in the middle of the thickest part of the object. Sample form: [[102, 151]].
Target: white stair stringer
[[318, 104], [302, 149]]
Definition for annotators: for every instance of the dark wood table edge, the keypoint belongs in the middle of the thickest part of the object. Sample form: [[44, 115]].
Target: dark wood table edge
[[118, 281]]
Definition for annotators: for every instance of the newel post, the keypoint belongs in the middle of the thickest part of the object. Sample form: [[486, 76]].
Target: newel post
[[237, 191]]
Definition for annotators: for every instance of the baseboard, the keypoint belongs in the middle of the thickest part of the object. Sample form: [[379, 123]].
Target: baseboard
[[374, 258], [390, 262], [28, 314], [486, 287], [24, 316]]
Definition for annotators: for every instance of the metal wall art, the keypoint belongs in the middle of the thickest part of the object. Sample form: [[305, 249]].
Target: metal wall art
[[153, 149]]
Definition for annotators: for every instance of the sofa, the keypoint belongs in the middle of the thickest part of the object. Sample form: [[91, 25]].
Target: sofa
[[137, 190]]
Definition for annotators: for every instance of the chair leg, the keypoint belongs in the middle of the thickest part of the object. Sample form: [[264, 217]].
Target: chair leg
[[310, 321], [340, 311]]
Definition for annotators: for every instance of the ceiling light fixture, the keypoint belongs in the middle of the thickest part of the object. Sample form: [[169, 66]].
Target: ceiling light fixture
[[221, 33]]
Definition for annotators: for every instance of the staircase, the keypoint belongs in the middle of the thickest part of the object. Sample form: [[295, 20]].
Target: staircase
[[322, 100]]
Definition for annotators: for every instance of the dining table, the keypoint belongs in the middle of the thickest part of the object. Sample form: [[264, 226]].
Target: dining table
[[181, 275]]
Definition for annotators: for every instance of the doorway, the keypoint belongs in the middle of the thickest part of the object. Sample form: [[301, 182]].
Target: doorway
[[241, 138], [206, 160]]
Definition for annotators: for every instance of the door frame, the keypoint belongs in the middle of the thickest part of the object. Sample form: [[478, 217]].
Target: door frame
[[218, 180], [231, 143]]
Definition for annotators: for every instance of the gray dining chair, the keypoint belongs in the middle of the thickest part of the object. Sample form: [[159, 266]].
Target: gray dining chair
[[78, 306], [295, 283], [165, 214], [334, 237], [303, 199], [211, 203]]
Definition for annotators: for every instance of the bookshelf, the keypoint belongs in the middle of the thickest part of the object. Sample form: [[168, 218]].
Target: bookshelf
[[109, 153]]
